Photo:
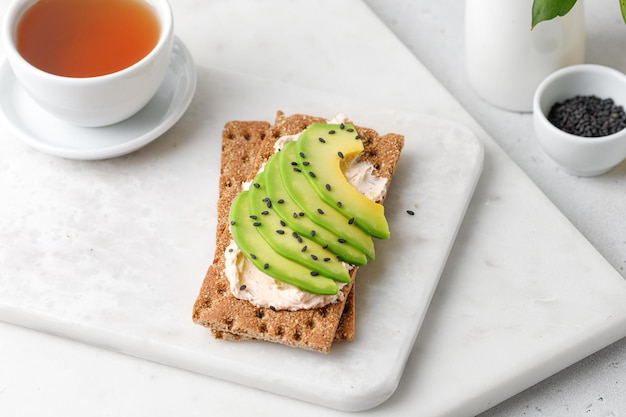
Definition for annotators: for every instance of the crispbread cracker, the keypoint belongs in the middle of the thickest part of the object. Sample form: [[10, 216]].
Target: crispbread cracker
[[245, 147]]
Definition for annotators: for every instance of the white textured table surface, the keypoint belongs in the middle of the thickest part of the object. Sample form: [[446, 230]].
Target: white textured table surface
[[433, 31], [43, 374]]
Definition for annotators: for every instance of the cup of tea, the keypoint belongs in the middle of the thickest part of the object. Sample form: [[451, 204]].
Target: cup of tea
[[90, 63]]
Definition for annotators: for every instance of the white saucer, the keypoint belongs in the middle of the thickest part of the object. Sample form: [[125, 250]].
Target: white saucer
[[29, 122]]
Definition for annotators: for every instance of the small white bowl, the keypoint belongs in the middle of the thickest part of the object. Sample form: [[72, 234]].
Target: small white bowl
[[582, 156], [93, 101]]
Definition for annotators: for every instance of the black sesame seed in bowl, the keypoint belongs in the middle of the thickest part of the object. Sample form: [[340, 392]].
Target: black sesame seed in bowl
[[579, 120], [588, 116]]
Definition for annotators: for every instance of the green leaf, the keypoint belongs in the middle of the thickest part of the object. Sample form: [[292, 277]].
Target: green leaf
[[622, 6], [549, 9]]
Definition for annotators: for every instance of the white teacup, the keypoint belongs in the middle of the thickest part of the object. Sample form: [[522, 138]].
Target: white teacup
[[98, 100]]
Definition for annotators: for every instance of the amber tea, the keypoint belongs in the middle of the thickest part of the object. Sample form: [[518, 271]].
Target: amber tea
[[86, 38]]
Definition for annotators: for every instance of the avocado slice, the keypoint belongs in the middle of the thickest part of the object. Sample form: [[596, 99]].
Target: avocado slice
[[296, 219], [322, 147], [288, 243], [315, 208], [255, 248]]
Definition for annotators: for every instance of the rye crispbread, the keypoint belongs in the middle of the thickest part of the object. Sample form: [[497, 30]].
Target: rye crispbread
[[245, 147]]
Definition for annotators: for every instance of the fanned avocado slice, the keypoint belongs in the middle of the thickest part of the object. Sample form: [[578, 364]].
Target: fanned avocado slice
[[314, 207], [322, 147], [295, 218], [266, 259], [285, 241], [301, 211]]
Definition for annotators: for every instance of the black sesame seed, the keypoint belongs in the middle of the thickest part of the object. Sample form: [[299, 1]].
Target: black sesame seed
[[331, 132], [312, 232], [280, 231], [243, 287], [342, 126], [232, 222], [294, 215], [325, 246], [320, 211], [269, 204], [314, 257], [350, 130], [588, 116], [301, 155], [411, 212], [327, 187], [311, 174], [259, 314], [339, 204], [306, 163], [322, 140], [272, 308], [282, 223], [294, 163], [341, 240], [357, 137], [253, 217], [256, 185], [314, 273], [299, 239], [253, 256], [326, 259], [294, 234], [297, 169], [265, 212], [351, 220], [266, 266], [280, 201], [340, 154], [256, 224], [301, 214], [304, 248], [266, 199]]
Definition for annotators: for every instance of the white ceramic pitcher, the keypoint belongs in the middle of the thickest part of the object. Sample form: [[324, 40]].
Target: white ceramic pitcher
[[506, 61]]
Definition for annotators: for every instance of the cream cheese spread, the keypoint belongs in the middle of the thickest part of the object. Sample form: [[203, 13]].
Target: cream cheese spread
[[249, 283]]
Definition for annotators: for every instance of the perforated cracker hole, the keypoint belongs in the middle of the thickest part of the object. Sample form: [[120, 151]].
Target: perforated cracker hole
[[207, 302], [221, 289]]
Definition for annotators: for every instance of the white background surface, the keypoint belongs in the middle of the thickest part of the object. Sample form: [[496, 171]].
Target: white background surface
[[62, 375]]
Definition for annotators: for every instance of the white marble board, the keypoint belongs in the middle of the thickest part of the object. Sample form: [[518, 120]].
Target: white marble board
[[523, 294], [112, 252]]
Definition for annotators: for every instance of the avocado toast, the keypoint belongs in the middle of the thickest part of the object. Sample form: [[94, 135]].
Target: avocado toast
[[246, 150]]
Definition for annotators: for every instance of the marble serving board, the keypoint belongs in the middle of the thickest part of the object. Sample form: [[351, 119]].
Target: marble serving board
[[113, 252], [523, 294]]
